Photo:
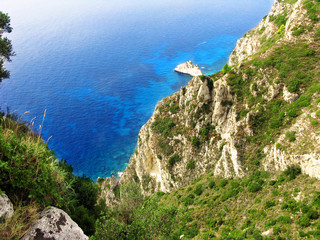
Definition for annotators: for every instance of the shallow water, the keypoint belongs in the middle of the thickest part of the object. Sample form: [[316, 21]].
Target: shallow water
[[99, 67]]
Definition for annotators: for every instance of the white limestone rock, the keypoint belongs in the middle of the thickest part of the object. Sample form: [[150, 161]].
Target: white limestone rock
[[107, 190], [54, 224], [189, 68], [288, 96], [6, 207], [267, 233]]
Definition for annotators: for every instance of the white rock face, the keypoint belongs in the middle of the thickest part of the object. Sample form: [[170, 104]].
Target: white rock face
[[107, 190], [189, 68], [304, 151], [218, 153], [288, 96], [251, 43], [6, 207], [54, 224]]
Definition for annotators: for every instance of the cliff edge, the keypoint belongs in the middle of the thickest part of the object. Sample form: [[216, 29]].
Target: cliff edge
[[261, 112]]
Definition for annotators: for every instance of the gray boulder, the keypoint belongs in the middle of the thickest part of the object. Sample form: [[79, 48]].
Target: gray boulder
[[54, 224], [6, 207]]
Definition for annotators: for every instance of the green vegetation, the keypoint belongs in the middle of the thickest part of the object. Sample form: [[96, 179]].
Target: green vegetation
[[295, 66], [33, 179], [279, 20], [291, 136], [226, 68], [6, 51], [195, 142], [191, 165], [298, 31], [173, 159], [236, 209], [313, 9], [163, 126]]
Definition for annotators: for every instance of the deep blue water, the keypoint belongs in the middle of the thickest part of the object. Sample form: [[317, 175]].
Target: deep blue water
[[98, 67]]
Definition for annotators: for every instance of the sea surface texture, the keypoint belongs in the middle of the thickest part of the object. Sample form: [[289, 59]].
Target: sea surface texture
[[99, 67]]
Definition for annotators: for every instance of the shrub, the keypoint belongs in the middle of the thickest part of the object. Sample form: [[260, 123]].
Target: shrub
[[291, 136], [109, 228], [163, 126], [284, 219], [190, 165], [279, 20], [226, 69], [254, 187], [270, 204], [292, 172], [198, 191], [174, 108], [314, 122], [174, 159], [189, 200], [297, 31], [223, 182], [212, 184], [195, 142], [304, 221]]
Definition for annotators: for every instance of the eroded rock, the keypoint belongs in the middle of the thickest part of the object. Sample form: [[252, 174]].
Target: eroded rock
[[54, 224], [6, 207], [189, 68]]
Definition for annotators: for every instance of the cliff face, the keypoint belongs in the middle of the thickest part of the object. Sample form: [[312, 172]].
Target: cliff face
[[189, 134], [259, 113], [289, 15]]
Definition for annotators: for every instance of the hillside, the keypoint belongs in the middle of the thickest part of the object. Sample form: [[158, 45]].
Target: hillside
[[259, 112], [233, 155], [258, 206]]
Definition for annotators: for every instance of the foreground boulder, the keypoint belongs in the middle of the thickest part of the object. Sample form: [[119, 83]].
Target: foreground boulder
[[54, 224], [6, 207]]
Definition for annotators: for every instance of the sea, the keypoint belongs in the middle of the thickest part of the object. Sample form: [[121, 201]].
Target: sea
[[88, 73]]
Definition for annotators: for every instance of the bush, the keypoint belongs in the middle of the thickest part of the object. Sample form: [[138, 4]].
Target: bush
[[174, 159], [198, 191], [254, 187], [109, 229], [195, 142], [212, 184], [297, 31], [223, 182], [189, 200], [314, 122], [284, 219], [292, 172], [163, 126], [190, 165], [226, 69], [291, 136], [270, 204], [304, 221]]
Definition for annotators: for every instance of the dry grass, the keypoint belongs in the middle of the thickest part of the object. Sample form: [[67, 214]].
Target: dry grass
[[16, 226]]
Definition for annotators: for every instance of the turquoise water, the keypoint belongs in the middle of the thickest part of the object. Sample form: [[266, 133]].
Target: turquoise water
[[99, 67]]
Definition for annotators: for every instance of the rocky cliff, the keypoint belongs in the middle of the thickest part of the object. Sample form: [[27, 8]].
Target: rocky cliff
[[259, 112]]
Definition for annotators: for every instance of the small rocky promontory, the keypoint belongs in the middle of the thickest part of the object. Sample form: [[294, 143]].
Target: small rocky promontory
[[189, 68]]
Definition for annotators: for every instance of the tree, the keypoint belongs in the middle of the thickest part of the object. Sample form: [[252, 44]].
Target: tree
[[6, 51]]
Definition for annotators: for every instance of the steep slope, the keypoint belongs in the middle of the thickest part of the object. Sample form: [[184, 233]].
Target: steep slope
[[260, 112]]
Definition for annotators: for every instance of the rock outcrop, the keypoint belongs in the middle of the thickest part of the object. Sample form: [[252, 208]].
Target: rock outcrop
[[108, 189], [251, 43], [200, 121], [6, 207], [218, 123], [54, 224], [189, 68]]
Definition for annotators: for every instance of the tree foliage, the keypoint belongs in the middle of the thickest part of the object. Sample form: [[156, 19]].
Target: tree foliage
[[6, 51]]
